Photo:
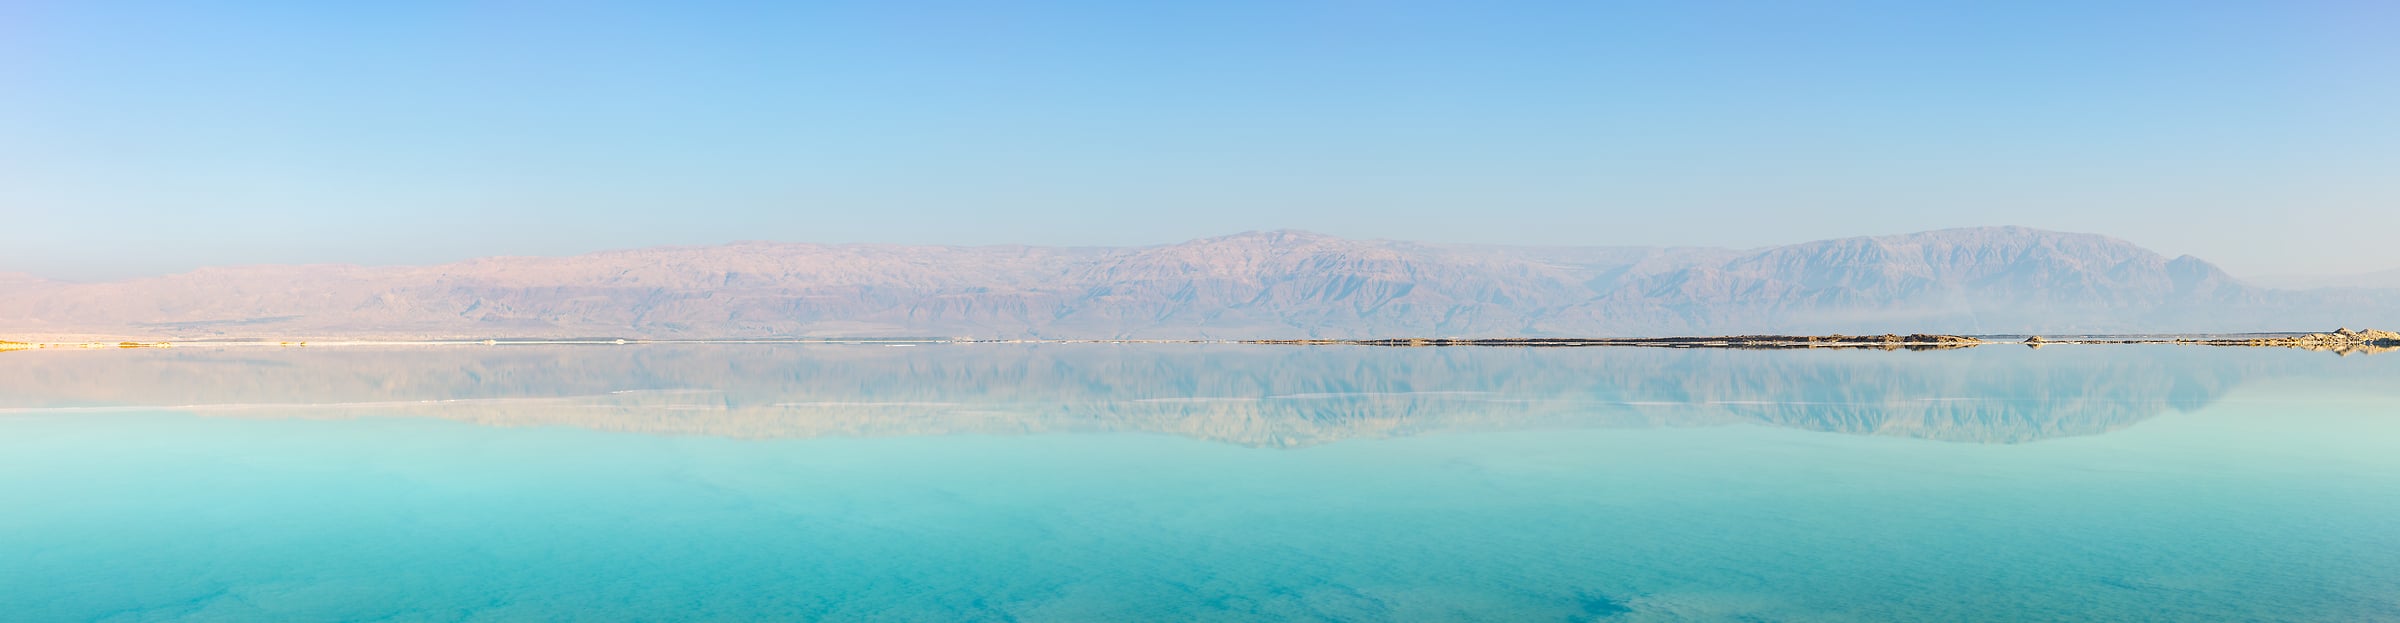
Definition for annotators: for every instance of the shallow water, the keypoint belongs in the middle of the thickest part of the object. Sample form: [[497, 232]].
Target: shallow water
[[1195, 482]]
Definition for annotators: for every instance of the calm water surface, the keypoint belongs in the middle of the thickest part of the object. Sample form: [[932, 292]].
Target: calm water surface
[[1203, 483]]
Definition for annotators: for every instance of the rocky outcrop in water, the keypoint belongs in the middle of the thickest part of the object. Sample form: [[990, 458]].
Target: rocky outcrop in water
[[2344, 341]]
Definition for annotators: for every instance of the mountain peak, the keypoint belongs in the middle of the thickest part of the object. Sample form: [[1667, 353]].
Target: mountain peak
[[1997, 234], [1270, 237]]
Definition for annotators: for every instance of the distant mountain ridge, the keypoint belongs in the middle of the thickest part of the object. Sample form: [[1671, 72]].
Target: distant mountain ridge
[[1274, 284]]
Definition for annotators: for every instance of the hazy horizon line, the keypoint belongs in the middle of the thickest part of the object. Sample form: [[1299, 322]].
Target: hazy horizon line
[[2271, 279]]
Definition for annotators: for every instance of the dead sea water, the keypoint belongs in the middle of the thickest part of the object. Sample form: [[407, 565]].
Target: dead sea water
[[1095, 482]]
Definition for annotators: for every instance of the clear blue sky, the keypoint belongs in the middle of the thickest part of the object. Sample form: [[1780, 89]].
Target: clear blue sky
[[141, 138]]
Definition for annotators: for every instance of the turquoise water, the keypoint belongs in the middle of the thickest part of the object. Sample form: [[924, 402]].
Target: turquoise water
[[1189, 482]]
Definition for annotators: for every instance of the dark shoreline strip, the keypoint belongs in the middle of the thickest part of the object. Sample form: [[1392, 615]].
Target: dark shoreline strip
[[2343, 341], [1760, 342]]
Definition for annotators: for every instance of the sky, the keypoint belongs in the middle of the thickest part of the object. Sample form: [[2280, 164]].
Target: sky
[[146, 138]]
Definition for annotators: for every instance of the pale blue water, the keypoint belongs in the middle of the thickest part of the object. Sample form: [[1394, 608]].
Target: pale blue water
[[1207, 483]]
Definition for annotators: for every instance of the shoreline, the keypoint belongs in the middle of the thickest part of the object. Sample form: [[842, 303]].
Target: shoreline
[[2343, 341]]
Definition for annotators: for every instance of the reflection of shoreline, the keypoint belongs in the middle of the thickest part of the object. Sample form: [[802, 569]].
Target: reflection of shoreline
[[1249, 427], [1250, 395], [2343, 342]]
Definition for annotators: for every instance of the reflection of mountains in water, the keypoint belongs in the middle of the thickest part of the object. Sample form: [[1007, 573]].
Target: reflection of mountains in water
[[1251, 395]]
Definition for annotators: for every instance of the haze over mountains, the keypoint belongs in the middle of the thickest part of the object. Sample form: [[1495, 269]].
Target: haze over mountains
[[1253, 285], [2377, 279]]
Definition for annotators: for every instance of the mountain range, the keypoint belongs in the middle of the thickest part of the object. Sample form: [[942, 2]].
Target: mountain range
[[1279, 284]]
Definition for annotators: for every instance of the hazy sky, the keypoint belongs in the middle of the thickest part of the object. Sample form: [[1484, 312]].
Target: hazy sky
[[141, 138]]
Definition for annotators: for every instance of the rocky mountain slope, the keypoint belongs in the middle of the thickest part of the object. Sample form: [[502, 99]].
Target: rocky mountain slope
[[1280, 284]]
